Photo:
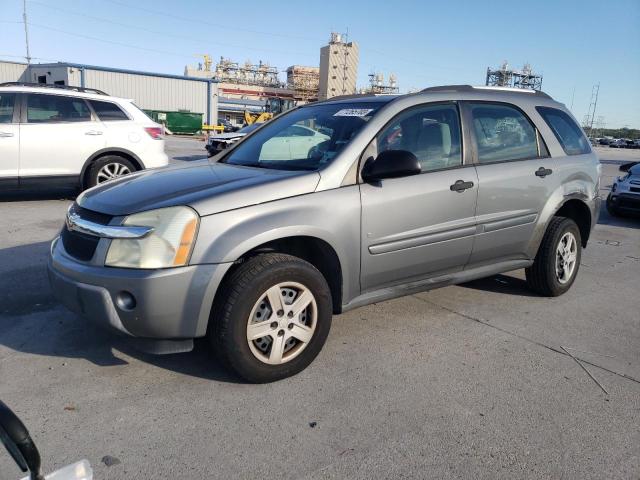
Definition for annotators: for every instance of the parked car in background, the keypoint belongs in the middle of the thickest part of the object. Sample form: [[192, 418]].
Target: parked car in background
[[72, 137], [295, 141], [328, 207], [625, 191], [217, 143], [227, 125], [617, 143]]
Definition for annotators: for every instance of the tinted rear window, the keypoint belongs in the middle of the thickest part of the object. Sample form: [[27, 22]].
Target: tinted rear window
[[56, 108], [108, 111], [568, 133], [6, 107], [503, 133]]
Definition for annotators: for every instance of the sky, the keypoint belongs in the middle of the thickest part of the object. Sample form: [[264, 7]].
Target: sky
[[573, 44]]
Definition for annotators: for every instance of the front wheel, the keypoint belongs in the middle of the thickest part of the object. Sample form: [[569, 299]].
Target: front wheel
[[558, 260], [611, 208], [271, 317]]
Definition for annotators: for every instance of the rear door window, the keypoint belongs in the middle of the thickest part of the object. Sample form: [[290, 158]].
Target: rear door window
[[568, 133], [503, 133], [107, 111], [7, 100], [56, 108]]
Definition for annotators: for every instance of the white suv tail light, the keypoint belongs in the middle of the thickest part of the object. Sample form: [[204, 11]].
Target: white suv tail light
[[155, 132]]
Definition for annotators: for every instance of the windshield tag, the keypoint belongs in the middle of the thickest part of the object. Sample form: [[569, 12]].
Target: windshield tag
[[353, 112]]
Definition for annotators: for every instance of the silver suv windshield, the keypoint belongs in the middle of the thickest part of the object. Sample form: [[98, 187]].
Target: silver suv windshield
[[305, 139]]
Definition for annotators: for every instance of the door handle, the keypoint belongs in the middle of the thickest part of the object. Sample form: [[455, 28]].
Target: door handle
[[543, 172], [6, 134], [93, 132], [460, 186]]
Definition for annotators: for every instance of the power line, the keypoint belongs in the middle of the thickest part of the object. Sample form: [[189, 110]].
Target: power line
[[197, 20], [87, 37], [155, 32], [32, 58]]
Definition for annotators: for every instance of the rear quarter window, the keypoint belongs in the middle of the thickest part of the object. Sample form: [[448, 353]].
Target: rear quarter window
[[568, 133], [107, 111]]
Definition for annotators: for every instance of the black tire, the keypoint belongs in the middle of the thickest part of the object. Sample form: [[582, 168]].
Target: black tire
[[236, 299], [613, 211], [100, 163], [541, 276]]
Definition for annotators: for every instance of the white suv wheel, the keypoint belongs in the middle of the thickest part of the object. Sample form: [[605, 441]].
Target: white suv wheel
[[111, 171]]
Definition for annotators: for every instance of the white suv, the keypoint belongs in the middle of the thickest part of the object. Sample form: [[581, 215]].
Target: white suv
[[72, 137]]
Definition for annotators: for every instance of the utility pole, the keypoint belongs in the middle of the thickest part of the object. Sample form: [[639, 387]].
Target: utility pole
[[26, 30]]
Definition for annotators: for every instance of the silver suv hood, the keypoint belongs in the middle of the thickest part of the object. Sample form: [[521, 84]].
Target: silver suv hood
[[206, 186]]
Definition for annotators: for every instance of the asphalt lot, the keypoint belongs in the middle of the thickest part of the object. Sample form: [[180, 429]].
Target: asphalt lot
[[463, 382]]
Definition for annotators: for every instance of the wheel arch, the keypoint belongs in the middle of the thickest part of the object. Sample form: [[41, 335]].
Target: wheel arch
[[315, 250], [121, 152], [577, 210]]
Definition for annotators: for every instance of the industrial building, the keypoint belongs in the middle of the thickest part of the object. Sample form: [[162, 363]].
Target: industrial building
[[150, 91], [304, 82], [244, 81], [338, 67], [242, 86]]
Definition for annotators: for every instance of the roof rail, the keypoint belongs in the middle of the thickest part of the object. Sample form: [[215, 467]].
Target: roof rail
[[470, 88], [49, 85]]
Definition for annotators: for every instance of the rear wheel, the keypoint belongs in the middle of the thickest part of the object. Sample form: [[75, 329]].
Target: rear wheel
[[271, 318], [109, 167], [558, 260]]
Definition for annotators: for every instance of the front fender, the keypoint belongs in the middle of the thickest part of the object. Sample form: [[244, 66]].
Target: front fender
[[332, 216]]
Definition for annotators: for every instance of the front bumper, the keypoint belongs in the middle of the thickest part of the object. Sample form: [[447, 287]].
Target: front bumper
[[172, 303]]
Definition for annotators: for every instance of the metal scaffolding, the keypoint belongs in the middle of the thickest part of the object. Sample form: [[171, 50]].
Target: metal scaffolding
[[377, 85], [261, 74], [304, 81], [508, 77]]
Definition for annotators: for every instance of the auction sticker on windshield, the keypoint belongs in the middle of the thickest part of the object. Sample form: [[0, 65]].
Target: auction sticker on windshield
[[353, 112]]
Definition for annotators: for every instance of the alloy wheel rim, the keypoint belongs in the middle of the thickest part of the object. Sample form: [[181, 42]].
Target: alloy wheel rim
[[282, 323], [111, 171], [566, 257]]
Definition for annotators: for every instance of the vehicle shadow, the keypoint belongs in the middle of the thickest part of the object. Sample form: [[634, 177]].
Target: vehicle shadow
[[624, 221], [27, 195], [503, 284], [32, 321]]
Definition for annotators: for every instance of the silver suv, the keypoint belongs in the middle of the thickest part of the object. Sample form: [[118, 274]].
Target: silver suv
[[384, 196]]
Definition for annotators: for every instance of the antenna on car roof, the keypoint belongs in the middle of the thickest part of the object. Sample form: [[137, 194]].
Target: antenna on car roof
[[48, 85]]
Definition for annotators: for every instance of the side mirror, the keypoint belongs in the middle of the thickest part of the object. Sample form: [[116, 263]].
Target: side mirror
[[391, 164], [627, 166], [15, 437]]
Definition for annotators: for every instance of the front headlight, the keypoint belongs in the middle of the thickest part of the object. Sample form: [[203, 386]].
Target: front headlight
[[168, 245]]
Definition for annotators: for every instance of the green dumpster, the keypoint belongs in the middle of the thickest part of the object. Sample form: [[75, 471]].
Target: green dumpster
[[181, 122]]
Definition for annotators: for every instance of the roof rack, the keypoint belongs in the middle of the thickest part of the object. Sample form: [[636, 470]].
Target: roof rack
[[470, 88], [48, 85]]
